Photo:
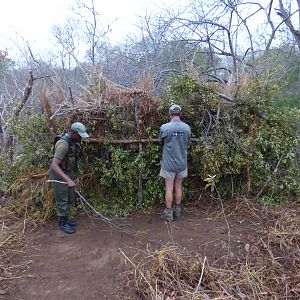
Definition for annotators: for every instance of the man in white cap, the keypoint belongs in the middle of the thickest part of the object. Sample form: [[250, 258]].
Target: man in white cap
[[62, 169], [175, 138]]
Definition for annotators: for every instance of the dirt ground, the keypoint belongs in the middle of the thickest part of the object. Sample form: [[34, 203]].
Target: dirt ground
[[90, 264]]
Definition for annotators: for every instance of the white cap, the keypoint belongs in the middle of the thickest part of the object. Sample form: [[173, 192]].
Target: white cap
[[175, 109], [80, 129]]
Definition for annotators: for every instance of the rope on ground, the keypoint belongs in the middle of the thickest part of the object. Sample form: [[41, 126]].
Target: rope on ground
[[105, 219], [111, 222]]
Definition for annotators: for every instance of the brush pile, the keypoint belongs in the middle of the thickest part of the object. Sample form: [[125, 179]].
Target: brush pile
[[269, 269], [230, 142]]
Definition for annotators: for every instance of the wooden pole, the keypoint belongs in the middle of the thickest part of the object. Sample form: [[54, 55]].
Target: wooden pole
[[140, 181], [134, 141]]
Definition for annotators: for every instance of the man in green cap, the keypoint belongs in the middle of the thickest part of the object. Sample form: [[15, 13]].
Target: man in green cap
[[62, 169], [175, 138]]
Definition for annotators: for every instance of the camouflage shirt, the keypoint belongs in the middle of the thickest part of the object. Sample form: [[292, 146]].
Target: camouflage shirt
[[65, 150]]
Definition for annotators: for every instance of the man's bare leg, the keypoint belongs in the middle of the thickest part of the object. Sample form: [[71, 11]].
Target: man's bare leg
[[178, 190], [178, 197], [169, 186]]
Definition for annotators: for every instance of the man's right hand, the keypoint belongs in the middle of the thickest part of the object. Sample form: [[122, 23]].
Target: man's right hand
[[71, 183], [55, 167]]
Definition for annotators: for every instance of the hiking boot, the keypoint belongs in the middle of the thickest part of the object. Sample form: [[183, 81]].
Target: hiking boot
[[65, 226], [168, 215], [177, 210]]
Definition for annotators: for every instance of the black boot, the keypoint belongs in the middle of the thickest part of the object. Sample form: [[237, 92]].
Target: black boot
[[72, 222], [65, 226]]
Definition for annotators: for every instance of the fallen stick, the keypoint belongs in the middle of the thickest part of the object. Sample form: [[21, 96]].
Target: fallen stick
[[200, 279]]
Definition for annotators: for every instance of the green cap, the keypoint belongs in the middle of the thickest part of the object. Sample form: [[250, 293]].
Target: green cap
[[80, 128]]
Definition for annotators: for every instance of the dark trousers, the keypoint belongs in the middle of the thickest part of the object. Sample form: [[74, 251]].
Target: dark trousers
[[64, 196]]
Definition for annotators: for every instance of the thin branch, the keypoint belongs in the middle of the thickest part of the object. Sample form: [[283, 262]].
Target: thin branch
[[31, 54], [269, 178]]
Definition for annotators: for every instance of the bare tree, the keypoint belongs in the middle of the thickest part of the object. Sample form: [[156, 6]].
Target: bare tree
[[232, 33], [68, 42], [93, 31], [8, 146]]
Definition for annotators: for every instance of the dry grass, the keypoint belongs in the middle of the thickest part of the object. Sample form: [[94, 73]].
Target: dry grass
[[32, 202], [269, 269], [12, 237], [33, 197]]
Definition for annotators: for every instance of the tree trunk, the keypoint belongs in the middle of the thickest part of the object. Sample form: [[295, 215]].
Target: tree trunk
[[9, 142], [287, 20], [1, 135]]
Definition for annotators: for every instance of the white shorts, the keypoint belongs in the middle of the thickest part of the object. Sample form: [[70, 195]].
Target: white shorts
[[172, 175]]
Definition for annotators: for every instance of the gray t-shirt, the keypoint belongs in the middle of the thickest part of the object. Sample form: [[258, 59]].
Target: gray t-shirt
[[175, 137]]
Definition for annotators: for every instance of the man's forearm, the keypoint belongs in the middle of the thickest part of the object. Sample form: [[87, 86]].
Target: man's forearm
[[59, 172]]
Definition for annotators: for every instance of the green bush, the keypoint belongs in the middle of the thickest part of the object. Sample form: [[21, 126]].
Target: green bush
[[32, 148]]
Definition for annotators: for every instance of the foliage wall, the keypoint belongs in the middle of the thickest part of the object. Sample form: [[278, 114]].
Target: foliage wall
[[244, 144]]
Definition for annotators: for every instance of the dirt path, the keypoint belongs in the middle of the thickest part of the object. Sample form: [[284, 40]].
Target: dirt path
[[88, 264]]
